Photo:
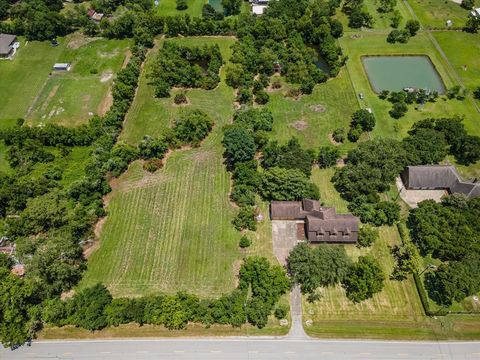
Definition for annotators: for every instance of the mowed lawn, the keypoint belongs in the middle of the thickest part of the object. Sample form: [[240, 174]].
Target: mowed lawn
[[433, 14], [23, 78], [169, 8], [172, 230], [375, 44], [72, 97]]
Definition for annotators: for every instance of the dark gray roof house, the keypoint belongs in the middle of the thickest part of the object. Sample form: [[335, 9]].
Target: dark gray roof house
[[439, 177], [322, 224], [6, 44]]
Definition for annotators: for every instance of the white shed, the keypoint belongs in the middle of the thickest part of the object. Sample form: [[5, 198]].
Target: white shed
[[62, 67]]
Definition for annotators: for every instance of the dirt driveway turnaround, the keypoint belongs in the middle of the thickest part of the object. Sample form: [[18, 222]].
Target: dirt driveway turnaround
[[284, 235]]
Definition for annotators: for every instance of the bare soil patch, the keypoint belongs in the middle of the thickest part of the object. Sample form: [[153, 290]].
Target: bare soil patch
[[107, 75], [332, 140], [79, 40], [318, 108], [50, 96], [106, 103], [300, 125]]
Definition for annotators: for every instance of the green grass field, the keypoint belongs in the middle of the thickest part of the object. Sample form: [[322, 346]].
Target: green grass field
[[172, 230], [168, 7], [29, 89], [434, 14], [23, 77], [314, 117], [71, 98]]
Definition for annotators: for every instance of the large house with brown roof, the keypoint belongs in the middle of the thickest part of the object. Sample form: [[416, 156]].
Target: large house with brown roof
[[439, 177], [322, 224]]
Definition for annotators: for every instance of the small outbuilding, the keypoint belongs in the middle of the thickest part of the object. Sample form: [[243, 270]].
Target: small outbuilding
[[8, 45], [62, 67], [258, 9]]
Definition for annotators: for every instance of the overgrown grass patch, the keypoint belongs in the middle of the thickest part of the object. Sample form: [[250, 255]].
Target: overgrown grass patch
[[172, 230]]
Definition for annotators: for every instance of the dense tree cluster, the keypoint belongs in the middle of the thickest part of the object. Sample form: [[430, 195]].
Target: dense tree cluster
[[449, 231], [189, 67], [288, 156], [357, 13], [48, 221], [402, 36], [260, 287]]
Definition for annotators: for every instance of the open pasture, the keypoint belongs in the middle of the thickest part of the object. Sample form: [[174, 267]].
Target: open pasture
[[72, 97], [433, 14], [172, 230], [169, 8]]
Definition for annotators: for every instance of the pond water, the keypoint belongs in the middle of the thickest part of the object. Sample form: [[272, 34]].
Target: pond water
[[395, 73], [217, 5]]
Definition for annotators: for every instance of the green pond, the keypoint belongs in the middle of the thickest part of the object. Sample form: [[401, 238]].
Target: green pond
[[217, 5], [395, 73]]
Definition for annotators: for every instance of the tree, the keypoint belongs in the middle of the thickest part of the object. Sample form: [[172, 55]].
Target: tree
[[395, 19], [398, 110], [243, 195], [476, 93], [412, 26], [327, 156], [232, 7], [254, 119], [360, 18], [367, 236], [17, 301], [311, 268], [364, 118], [192, 127], [288, 156], [287, 184], [244, 242], [150, 147], [469, 150], [425, 146], [364, 279], [239, 144], [454, 281], [472, 25], [339, 135], [387, 6], [406, 260], [87, 307], [245, 219], [467, 4]]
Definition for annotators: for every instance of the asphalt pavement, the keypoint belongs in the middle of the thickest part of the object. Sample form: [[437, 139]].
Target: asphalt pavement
[[244, 348]]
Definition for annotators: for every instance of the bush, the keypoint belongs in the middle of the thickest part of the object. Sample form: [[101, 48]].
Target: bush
[[244, 96], [243, 195], [152, 165], [261, 97], [476, 93], [181, 5], [244, 242], [339, 135], [245, 219], [180, 98], [281, 313], [412, 26]]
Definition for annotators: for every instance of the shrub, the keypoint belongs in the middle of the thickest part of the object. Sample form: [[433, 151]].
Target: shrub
[[281, 312], [261, 97], [245, 219], [181, 5], [339, 135], [244, 96], [476, 93], [244, 242], [243, 195], [192, 127], [153, 165], [180, 98]]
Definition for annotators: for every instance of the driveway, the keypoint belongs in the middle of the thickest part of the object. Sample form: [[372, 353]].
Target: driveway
[[284, 236]]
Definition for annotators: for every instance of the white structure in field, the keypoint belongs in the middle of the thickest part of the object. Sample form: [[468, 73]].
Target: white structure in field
[[62, 67], [259, 6]]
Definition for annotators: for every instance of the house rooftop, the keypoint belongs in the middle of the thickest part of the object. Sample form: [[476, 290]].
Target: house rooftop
[[6, 41]]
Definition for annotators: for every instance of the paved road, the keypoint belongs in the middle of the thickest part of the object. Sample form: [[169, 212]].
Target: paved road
[[233, 349]]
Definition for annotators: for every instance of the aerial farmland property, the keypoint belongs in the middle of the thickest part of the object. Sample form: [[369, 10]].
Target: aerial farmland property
[[203, 168]]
